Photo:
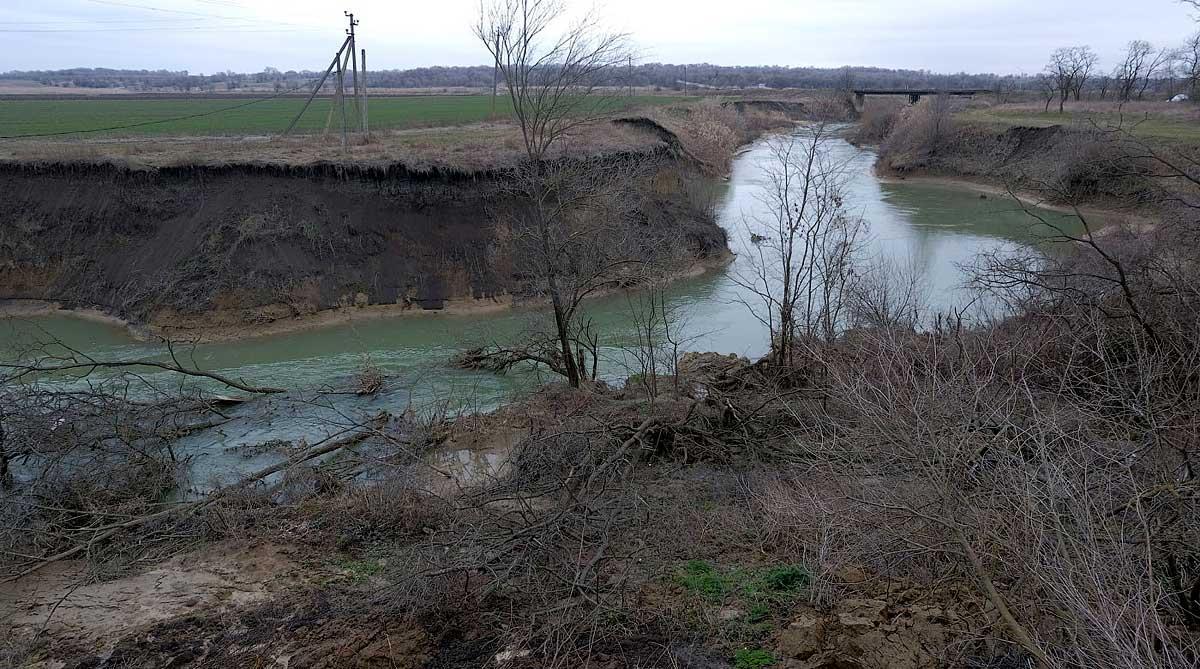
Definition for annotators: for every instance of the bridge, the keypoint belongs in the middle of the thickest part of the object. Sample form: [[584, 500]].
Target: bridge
[[914, 95]]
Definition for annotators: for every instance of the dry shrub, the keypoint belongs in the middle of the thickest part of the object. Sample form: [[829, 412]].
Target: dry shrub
[[831, 106], [389, 510], [921, 131], [805, 519], [1047, 458], [878, 119], [710, 131], [757, 122]]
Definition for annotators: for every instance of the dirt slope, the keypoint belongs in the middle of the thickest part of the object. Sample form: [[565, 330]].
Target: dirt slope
[[244, 244]]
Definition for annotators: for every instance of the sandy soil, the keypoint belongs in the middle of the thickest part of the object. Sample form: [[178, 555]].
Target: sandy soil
[[61, 600], [35, 308]]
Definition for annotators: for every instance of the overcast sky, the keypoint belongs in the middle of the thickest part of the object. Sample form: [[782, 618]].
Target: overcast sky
[[204, 36]]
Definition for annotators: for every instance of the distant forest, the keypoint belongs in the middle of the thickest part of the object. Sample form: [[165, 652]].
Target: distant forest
[[650, 75]]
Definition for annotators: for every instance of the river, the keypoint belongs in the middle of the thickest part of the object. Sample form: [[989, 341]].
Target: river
[[934, 228]]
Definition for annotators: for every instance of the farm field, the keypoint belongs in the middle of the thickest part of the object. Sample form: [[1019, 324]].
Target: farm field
[[233, 117]]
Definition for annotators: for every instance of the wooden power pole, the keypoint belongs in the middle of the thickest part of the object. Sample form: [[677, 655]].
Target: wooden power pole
[[345, 63], [354, 65], [337, 59]]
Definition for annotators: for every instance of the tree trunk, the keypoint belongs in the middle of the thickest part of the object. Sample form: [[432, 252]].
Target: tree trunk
[[570, 366]]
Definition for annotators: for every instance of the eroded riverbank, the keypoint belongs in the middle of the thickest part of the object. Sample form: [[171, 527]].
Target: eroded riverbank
[[931, 229]]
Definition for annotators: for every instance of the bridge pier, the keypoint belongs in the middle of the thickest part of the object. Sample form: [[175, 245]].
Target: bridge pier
[[914, 98]]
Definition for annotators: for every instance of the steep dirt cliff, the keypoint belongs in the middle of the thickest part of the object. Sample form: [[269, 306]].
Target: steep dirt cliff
[[245, 243]]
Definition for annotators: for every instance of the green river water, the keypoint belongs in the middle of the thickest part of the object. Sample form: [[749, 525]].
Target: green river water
[[936, 228]]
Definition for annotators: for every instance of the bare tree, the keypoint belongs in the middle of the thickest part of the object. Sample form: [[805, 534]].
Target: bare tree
[[1069, 69], [1162, 64], [805, 245], [1189, 63], [571, 234], [1085, 62], [1047, 87], [1134, 68], [557, 83]]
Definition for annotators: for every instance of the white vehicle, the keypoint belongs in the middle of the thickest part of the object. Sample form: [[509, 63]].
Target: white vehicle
[[1179, 98]]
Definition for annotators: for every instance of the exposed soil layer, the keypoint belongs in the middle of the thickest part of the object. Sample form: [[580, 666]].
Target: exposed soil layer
[[244, 245], [1059, 164]]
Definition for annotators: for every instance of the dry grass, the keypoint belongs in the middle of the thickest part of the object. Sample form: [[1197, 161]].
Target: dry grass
[[1174, 122], [469, 148]]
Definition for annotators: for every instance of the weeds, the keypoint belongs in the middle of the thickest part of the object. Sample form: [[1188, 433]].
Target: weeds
[[756, 658], [760, 588], [701, 578], [360, 570]]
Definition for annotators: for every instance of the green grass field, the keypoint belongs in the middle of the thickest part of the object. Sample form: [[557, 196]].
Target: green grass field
[[29, 117], [1145, 125]]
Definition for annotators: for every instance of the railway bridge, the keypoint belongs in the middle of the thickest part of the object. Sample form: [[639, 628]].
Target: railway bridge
[[914, 95]]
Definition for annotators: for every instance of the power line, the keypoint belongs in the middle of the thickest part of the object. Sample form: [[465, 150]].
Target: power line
[[249, 28], [149, 8], [115, 3], [108, 21], [158, 121]]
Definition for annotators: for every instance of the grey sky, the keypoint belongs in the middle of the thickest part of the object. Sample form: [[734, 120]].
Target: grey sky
[[246, 35]]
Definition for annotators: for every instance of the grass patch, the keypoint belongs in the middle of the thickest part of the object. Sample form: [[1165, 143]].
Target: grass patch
[[23, 117], [760, 589], [702, 579], [360, 570], [788, 578], [756, 658]]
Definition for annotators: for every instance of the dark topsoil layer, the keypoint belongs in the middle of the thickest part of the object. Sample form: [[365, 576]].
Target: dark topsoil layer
[[245, 244]]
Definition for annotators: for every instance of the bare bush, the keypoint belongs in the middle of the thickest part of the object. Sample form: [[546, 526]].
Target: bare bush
[[878, 120], [922, 130]]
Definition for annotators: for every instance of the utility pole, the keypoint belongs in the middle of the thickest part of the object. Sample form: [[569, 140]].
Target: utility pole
[[354, 63], [341, 95], [631, 77], [345, 58], [337, 59]]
